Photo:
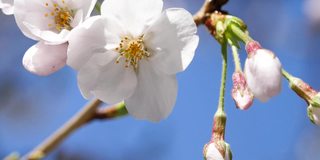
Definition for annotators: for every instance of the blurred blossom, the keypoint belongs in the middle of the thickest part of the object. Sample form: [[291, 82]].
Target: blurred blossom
[[308, 144], [312, 10], [6, 6]]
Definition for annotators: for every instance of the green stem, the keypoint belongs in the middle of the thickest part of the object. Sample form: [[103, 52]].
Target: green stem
[[240, 34], [220, 117], [287, 75], [235, 54], [223, 76], [111, 112]]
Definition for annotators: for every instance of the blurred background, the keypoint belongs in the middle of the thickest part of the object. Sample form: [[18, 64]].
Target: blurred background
[[33, 107]]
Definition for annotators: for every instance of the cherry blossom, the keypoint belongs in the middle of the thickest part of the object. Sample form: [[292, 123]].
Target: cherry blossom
[[132, 52], [49, 22]]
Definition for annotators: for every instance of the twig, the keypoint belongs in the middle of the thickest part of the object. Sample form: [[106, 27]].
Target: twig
[[89, 113], [209, 7]]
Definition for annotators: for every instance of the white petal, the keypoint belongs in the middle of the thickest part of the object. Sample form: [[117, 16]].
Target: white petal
[[31, 12], [77, 19], [85, 5], [155, 95], [263, 73], [172, 40], [42, 59], [213, 153], [96, 35], [136, 15], [103, 78], [89, 73], [49, 36]]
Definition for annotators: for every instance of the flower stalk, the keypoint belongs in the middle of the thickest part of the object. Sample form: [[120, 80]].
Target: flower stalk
[[223, 76], [237, 62], [242, 35], [217, 142]]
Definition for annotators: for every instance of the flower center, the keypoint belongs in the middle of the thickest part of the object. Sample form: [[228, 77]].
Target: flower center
[[62, 16], [132, 51]]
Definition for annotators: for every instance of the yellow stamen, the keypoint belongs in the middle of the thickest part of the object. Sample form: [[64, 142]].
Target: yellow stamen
[[132, 50], [62, 16]]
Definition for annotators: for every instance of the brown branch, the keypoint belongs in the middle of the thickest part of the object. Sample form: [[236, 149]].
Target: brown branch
[[209, 7], [116, 111], [89, 113]]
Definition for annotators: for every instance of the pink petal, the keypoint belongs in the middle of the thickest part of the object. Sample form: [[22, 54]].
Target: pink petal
[[43, 60]]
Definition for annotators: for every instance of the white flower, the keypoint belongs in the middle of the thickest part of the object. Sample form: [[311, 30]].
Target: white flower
[[132, 53], [49, 22], [6, 6], [212, 153], [263, 73], [311, 9]]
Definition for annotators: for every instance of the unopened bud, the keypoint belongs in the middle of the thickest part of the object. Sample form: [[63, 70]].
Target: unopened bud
[[217, 151], [219, 126], [263, 72], [241, 93]]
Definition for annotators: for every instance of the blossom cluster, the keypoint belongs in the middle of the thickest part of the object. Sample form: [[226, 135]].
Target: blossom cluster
[[130, 52]]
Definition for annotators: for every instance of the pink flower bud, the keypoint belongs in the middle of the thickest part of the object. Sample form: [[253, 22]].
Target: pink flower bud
[[241, 93], [263, 72]]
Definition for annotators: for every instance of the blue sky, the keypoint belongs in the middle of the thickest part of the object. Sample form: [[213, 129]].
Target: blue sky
[[32, 107]]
